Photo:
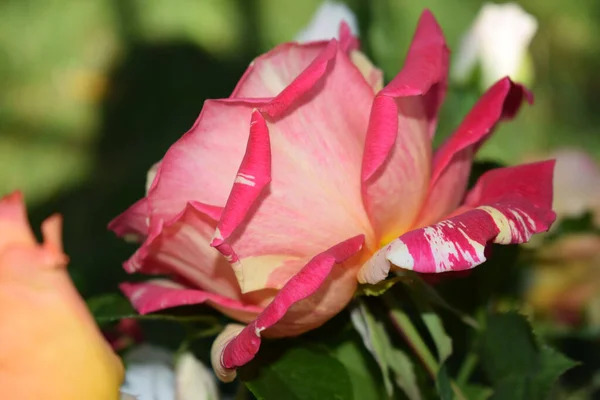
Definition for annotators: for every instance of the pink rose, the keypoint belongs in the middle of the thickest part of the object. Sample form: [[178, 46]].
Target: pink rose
[[308, 179]]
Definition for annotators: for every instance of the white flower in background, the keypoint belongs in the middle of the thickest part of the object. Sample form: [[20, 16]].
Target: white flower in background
[[497, 42], [152, 373], [326, 22], [576, 184], [325, 25]]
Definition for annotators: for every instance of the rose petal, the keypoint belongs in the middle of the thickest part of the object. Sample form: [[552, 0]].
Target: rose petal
[[508, 205], [14, 224], [181, 248], [202, 148], [294, 179], [241, 349], [372, 74], [133, 223], [156, 295], [452, 161], [396, 161], [216, 352], [269, 74]]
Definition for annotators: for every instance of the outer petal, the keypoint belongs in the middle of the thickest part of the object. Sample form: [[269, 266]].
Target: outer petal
[[396, 162], [157, 295], [214, 146], [508, 205], [452, 161], [269, 74], [303, 285], [181, 248], [296, 178], [133, 223]]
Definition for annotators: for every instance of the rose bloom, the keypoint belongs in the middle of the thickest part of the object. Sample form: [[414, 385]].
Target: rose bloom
[[312, 177], [51, 348]]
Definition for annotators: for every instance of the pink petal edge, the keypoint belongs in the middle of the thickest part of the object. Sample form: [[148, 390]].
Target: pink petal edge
[[452, 161], [506, 206], [396, 160], [426, 65], [148, 297], [254, 174], [244, 346], [132, 222]]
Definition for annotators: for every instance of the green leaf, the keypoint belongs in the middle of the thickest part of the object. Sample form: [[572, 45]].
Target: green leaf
[[442, 341], [110, 307], [377, 289], [404, 373], [285, 369], [374, 338], [476, 392], [361, 368], [297, 371], [552, 365], [517, 366], [389, 358], [444, 385], [114, 307]]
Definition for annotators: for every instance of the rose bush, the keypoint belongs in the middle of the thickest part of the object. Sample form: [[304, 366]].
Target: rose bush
[[312, 177], [51, 348]]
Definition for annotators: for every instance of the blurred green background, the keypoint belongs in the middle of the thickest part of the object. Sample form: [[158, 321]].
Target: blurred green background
[[92, 93]]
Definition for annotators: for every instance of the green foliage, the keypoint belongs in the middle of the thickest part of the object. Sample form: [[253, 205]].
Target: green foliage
[[377, 289], [302, 372], [444, 385], [390, 359], [330, 363], [113, 307], [515, 363]]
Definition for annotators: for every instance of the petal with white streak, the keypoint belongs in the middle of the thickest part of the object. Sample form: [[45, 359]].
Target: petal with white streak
[[506, 206]]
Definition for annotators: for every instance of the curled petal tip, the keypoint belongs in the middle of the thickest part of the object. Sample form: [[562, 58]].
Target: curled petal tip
[[216, 352], [375, 269], [51, 230]]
